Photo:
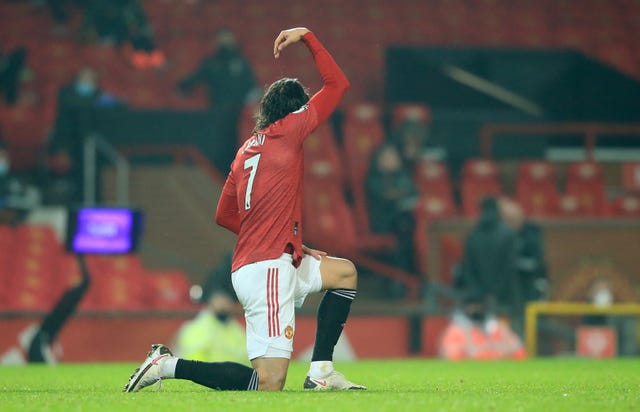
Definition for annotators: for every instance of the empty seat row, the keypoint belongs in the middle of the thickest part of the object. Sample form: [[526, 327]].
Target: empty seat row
[[36, 271]]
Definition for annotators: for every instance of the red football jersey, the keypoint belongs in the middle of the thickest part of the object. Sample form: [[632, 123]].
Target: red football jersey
[[262, 197]]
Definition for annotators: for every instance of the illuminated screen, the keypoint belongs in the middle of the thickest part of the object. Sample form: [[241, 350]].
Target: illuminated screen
[[101, 230]]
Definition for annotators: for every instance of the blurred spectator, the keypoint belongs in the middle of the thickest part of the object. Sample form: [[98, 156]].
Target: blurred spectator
[[214, 335], [530, 260], [489, 261], [11, 66], [474, 333], [412, 139], [77, 102], [120, 22], [391, 197], [602, 294], [16, 196], [231, 84]]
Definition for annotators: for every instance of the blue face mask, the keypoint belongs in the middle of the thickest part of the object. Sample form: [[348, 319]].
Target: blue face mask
[[85, 88]]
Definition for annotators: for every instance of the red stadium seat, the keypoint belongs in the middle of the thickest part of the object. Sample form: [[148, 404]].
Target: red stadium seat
[[626, 206], [479, 179], [23, 131], [536, 188], [431, 206], [122, 291], [410, 112], [169, 290], [327, 215], [631, 177], [432, 176], [322, 158], [362, 135], [329, 221], [434, 206], [585, 182], [569, 206]]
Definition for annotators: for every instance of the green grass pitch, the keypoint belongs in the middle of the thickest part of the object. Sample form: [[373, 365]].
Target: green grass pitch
[[404, 385]]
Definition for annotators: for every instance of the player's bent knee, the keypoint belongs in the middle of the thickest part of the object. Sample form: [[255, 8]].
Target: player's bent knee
[[349, 275], [338, 273]]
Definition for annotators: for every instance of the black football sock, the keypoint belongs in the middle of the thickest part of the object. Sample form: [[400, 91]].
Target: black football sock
[[332, 315], [224, 376]]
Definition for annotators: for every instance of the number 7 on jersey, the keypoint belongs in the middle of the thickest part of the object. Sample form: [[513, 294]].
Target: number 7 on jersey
[[251, 163]]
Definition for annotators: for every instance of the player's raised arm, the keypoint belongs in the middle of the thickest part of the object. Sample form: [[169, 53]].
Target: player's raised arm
[[335, 83]]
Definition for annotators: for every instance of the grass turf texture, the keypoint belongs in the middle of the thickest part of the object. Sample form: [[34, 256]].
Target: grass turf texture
[[406, 385]]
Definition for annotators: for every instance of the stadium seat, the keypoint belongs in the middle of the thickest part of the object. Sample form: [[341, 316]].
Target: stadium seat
[[362, 135], [169, 290], [479, 180], [327, 214], [122, 291], [322, 157], [631, 177], [536, 188], [569, 206], [626, 206], [434, 206], [585, 182], [23, 131], [432, 176], [416, 112]]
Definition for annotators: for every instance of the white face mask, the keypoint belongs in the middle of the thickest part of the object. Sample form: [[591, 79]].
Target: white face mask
[[4, 167], [603, 298]]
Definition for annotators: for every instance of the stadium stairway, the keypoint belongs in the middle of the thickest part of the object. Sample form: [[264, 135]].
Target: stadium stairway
[[180, 229]]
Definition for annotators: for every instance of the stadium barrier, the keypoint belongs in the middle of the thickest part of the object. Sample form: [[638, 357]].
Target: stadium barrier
[[535, 309]]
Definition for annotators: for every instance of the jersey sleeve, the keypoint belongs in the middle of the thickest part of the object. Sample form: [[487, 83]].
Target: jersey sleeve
[[335, 84], [227, 213]]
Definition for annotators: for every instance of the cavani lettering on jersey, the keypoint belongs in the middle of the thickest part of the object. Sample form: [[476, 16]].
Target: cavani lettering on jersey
[[257, 140]]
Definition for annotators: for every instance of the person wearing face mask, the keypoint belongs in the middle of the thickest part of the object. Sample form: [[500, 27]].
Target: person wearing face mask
[[475, 333], [231, 84], [74, 119], [214, 335], [391, 198]]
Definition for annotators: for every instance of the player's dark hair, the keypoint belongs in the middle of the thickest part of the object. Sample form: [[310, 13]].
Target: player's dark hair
[[282, 97]]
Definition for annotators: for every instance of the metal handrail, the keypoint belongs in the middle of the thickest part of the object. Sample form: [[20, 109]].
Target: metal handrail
[[95, 144]]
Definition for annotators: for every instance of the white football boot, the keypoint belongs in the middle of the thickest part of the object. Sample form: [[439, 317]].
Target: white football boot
[[150, 371], [334, 382]]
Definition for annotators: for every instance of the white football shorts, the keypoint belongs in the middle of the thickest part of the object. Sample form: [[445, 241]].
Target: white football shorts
[[269, 291]]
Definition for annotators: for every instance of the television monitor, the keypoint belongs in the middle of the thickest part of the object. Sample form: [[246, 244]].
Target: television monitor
[[99, 230]]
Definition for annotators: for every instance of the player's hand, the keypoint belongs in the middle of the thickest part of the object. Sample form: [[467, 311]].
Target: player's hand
[[316, 254], [287, 37]]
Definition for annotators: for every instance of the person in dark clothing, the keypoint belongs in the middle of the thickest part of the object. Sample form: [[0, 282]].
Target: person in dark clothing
[[56, 319], [11, 66], [489, 261], [115, 21], [231, 84], [531, 264], [76, 102], [391, 197]]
